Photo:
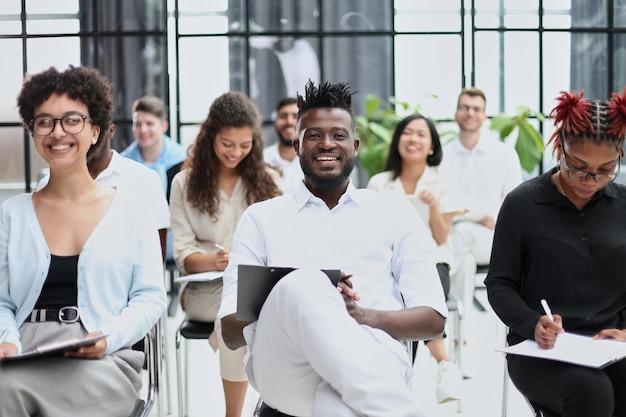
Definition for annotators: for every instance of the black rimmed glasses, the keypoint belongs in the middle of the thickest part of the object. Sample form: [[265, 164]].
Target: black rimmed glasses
[[580, 175], [71, 124]]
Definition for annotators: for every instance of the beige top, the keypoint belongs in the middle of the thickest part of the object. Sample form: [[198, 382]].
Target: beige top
[[193, 231], [432, 181]]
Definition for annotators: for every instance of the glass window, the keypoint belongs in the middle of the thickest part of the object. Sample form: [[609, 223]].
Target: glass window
[[589, 64], [11, 80], [619, 62], [619, 13], [557, 14], [357, 15], [201, 81], [66, 52], [284, 16], [557, 54], [426, 76], [350, 59], [589, 14], [427, 16]]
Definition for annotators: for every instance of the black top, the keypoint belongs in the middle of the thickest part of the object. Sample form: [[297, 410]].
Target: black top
[[59, 289], [544, 247]]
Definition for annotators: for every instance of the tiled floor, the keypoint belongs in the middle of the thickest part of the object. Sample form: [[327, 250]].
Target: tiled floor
[[482, 391]]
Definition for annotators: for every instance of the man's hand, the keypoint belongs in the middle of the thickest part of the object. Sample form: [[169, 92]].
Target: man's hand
[[546, 331], [95, 351], [345, 287]]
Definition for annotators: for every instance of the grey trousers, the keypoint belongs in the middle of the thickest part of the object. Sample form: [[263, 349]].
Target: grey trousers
[[68, 387]]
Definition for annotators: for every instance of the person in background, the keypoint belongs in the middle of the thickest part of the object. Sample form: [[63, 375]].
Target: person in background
[[152, 147], [77, 258], [107, 167], [281, 154], [560, 237], [224, 174], [412, 170], [319, 350], [482, 171]]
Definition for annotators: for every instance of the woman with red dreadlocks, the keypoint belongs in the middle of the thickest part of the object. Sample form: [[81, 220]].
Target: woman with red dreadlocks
[[562, 237]]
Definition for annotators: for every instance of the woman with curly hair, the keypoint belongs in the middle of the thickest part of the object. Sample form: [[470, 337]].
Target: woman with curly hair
[[77, 259], [562, 237], [224, 174]]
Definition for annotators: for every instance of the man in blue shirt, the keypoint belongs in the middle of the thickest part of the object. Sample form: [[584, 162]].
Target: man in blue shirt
[[152, 147]]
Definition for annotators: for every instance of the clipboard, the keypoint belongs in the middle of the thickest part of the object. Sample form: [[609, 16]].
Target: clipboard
[[53, 349], [201, 277], [574, 349], [255, 282]]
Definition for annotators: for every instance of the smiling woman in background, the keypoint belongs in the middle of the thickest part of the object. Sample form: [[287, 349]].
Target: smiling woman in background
[[412, 170], [77, 258], [224, 174]]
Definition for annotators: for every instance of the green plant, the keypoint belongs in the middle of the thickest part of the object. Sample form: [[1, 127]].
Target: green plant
[[529, 143]]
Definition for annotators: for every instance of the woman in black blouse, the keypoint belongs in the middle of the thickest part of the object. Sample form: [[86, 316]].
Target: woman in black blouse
[[562, 237]]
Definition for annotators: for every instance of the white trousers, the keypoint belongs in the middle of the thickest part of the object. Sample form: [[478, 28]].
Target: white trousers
[[309, 357], [471, 243]]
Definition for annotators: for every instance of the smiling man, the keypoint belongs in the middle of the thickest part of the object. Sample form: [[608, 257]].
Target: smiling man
[[483, 171], [282, 154], [152, 147], [316, 349]]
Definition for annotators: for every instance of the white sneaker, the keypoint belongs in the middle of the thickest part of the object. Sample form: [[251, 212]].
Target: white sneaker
[[449, 380]]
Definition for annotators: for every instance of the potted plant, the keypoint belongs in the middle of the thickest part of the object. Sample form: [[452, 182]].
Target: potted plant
[[375, 129], [529, 143]]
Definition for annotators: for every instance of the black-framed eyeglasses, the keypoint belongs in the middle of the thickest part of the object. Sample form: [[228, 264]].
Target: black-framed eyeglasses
[[581, 175], [71, 124]]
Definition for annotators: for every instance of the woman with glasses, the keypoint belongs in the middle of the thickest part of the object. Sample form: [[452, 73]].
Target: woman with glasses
[[562, 237], [77, 259]]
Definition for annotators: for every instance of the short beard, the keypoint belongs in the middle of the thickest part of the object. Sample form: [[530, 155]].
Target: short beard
[[284, 142], [327, 183]]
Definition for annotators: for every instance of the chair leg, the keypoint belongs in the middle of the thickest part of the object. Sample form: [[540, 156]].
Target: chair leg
[[179, 377]]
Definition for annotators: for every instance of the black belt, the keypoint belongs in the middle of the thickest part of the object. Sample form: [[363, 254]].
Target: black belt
[[267, 411], [68, 314]]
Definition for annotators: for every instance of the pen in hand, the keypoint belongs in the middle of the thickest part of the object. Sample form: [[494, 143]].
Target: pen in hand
[[546, 308], [217, 245]]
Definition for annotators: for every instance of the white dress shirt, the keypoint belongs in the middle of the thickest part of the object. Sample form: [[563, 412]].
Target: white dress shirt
[[380, 240]]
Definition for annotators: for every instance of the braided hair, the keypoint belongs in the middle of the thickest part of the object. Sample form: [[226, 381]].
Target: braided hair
[[578, 118]]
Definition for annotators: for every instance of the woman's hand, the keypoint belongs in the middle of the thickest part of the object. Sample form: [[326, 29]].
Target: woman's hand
[[95, 351], [427, 198], [221, 259], [7, 349], [546, 331], [615, 334]]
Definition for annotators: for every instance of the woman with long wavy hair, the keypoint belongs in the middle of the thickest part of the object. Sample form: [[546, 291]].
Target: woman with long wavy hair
[[223, 175]]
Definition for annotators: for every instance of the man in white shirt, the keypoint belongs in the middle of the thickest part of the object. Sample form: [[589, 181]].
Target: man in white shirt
[[109, 167], [316, 349], [282, 154], [483, 171]]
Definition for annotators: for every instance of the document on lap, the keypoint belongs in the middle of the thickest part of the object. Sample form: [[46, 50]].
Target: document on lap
[[573, 348], [201, 277], [255, 282], [53, 349]]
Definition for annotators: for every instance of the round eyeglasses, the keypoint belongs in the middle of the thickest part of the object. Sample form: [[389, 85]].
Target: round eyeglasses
[[71, 124], [580, 175]]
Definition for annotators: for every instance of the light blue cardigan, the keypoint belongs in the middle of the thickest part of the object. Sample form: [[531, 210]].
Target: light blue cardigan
[[120, 270]]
